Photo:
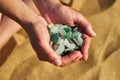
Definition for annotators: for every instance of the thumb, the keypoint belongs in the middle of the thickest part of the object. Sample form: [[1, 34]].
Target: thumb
[[53, 57], [46, 53]]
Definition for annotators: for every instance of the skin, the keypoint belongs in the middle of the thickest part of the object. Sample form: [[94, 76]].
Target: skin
[[0, 17], [9, 27], [52, 11], [57, 14]]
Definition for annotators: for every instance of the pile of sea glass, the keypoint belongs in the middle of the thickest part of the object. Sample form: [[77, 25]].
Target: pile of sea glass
[[64, 39]]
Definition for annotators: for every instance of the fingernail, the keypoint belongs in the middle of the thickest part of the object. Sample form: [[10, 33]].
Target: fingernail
[[81, 56], [57, 62], [86, 57], [93, 33]]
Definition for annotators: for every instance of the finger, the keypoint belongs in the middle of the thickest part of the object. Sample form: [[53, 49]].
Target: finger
[[73, 57], [85, 47], [82, 22], [53, 57], [46, 53]]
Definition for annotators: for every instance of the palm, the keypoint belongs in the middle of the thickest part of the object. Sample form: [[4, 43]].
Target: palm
[[60, 14], [65, 15], [39, 38]]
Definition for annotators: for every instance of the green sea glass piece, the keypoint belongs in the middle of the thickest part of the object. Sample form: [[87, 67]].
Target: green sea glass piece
[[66, 39], [61, 48], [54, 38]]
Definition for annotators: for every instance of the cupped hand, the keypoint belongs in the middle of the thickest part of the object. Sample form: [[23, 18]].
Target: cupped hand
[[65, 15], [40, 38]]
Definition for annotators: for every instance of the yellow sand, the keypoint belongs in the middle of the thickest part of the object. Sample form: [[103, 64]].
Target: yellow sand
[[19, 62]]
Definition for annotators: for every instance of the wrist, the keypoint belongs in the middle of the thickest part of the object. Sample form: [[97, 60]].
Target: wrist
[[30, 25], [29, 18]]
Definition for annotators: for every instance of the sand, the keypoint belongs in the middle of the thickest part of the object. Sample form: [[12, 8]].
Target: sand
[[18, 61]]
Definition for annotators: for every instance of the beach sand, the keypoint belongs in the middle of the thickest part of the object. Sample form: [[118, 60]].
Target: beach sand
[[18, 61]]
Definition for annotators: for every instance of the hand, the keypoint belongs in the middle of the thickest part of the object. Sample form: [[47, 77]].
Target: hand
[[34, 25], [65, 15], [39, 38]]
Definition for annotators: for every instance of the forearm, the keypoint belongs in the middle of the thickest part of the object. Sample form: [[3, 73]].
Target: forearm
[[46, 5], [17, 10], [8, 27]]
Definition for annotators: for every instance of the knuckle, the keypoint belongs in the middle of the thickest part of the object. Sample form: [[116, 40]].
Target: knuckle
[[88, 25], [77, 53]]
